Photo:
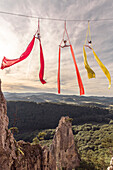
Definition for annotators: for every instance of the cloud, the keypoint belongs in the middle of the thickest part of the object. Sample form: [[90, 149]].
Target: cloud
[[17, 32]]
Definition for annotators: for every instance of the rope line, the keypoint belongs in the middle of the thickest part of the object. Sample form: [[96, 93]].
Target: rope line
[[55, 19]]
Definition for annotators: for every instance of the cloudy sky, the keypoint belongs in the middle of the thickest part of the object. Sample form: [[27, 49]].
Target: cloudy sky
[[16, 33]]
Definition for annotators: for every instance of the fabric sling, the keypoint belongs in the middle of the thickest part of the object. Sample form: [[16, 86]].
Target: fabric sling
[[81, 87], [41, 73], [9, 62], [90, 72]]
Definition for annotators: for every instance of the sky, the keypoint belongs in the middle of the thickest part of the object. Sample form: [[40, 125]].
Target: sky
[[17, 32]]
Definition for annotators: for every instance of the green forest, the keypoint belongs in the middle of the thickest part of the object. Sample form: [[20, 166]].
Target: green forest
[[93, 142], [92, 129]]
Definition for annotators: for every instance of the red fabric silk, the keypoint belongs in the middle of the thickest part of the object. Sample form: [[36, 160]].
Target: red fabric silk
[[9, 62], [77, 72], [58, 79], [41, 74]]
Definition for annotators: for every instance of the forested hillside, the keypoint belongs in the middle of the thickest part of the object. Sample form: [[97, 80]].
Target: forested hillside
[[94, 143], [32, 116], [92, 128]]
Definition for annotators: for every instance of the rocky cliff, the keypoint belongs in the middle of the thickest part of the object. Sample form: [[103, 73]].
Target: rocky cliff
[[21, 155], [62, 152], [7, 142]]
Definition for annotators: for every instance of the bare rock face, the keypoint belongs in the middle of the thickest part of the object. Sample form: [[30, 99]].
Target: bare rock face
[[7, 142], [62, 152], [16, 155], [29, 157], [3, 106], [21, 155]]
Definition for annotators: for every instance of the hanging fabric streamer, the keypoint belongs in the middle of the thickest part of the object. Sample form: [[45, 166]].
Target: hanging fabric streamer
[[90, 72], [58, 79], [41, 73], [77, 72], [9, 62], [73, 56]]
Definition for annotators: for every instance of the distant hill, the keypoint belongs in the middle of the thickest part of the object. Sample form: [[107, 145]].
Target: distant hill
[[103, 102]]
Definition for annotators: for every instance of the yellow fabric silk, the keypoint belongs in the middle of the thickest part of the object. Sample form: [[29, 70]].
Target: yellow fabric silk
[[104, 69], [90, 72]]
